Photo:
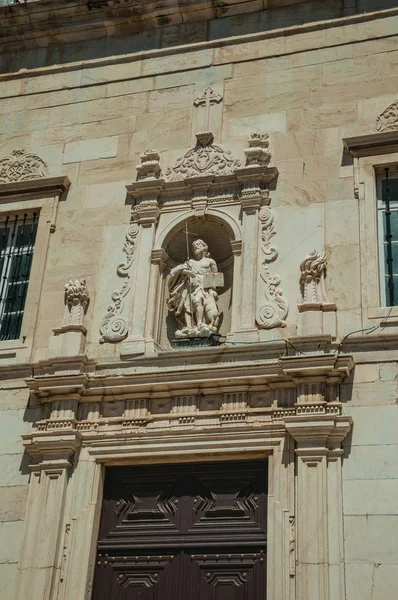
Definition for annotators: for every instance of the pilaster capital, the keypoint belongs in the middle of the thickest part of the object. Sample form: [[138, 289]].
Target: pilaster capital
[[52, 449], [329, 368], [316, 434], [146, 213]]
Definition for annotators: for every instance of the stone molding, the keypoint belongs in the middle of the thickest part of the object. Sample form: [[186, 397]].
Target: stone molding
[[61, 17], [46, 187], [372, 144], [21, 166]]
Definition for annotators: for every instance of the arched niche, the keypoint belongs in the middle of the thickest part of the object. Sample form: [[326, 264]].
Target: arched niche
[[218, 235]]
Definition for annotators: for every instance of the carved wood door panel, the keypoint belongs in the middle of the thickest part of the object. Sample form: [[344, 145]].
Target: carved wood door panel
[[183, 532]]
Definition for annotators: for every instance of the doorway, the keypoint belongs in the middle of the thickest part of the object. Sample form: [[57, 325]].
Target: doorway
[[192, 531]]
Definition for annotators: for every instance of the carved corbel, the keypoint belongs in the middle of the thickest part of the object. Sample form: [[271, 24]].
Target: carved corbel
[[317, 316]]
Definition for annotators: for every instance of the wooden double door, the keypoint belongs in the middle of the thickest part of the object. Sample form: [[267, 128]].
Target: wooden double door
[[192, 531]]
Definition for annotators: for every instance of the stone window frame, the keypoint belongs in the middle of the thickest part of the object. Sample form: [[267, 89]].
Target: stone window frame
[[371, 154], [41, 196]]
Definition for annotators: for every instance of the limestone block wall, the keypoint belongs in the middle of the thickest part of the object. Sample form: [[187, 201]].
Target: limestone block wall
[[370, 482], [15, 419], [308, 90]]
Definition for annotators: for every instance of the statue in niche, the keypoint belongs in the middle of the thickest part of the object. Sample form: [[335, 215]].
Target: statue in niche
[[193, 294]]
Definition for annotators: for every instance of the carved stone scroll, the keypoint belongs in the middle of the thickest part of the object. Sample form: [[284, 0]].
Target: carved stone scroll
[[204, 159], [273, 311], [114, 327], [77, 299], [388, 120], [21, 166]]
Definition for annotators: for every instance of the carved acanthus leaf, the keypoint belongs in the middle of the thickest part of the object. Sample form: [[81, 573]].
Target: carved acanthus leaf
[[388, 120], [204, 159], [114, 327], [313, 269], [77, 299], [273, 311], [21, 166]]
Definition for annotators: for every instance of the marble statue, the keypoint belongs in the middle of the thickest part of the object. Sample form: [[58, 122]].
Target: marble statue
[[193, 295]]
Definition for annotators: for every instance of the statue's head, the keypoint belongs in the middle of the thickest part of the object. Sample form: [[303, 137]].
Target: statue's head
[[199, 248]]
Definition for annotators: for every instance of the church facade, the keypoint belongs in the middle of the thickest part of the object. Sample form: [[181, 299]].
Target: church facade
[[198, 300]]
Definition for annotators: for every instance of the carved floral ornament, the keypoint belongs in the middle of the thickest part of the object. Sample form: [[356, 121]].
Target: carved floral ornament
[[388, 120], [312, 278], [77, 299], [21, 166], [205, 158]]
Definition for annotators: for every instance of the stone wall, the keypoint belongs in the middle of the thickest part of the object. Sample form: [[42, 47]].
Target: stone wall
[[370, 482], [308, 89], [15, 419]]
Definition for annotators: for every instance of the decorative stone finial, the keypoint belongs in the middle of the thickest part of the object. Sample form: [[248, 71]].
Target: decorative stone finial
[[77, 299], [313, 269], [388, 120], [21, 166], [257, 154], [149, 168]]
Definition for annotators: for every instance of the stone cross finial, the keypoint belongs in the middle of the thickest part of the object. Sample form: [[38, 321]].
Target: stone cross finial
[[77, 299], [207, 100]]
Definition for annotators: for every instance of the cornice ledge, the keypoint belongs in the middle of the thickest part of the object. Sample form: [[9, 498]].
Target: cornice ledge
[[331, 368], [372, 143], [49, 186]]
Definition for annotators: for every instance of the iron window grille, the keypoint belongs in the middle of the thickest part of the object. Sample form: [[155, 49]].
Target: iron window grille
[[387, 208], [17, 244]]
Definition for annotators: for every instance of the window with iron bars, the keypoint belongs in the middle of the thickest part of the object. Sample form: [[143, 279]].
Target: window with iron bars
[[387, 208], [17, 244]]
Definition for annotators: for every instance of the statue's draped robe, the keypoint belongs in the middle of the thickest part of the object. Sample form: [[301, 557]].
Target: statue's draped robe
[[184, 290]]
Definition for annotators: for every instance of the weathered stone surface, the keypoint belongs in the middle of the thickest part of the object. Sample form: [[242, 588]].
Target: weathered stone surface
[[91, 150], [13, 502]]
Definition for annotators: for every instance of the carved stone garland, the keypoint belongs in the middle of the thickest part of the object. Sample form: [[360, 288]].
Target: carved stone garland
[[205, 159], [388, 120], [21, 166], [273, 311], [114, 327]]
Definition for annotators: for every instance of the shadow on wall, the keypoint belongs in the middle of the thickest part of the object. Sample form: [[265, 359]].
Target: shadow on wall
[[164, 36]]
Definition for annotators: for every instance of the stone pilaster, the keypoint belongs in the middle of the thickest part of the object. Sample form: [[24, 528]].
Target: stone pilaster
[[319, 532], [146, 214], [41, 553]]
